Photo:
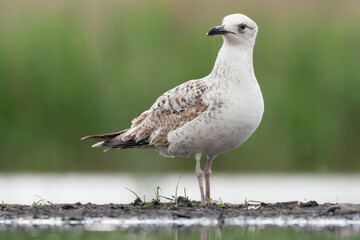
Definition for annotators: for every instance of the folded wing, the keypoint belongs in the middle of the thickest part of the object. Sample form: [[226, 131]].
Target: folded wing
[[171, 110]]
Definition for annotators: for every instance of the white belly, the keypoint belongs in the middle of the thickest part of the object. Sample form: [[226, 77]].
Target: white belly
[[221, 128]]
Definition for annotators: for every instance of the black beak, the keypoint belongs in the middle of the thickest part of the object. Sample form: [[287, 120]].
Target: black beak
[[218, 30]]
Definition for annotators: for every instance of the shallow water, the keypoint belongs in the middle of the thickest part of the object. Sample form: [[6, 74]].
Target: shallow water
[[340, 224], [110, 188], [202, 234]]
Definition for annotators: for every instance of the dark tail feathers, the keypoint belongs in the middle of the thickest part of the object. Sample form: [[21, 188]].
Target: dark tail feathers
[[113, 141]]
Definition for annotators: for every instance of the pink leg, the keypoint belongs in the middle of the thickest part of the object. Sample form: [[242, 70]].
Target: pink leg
[[205, 234], [199, 174], [207, 176]]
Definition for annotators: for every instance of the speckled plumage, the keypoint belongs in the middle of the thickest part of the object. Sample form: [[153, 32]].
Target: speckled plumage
[[170, 111], [203, 117]]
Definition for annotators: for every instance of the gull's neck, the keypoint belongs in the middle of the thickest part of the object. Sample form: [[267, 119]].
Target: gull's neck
[[234, 63]]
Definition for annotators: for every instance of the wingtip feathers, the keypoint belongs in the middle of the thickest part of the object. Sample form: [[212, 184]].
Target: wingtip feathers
[[99, 144]]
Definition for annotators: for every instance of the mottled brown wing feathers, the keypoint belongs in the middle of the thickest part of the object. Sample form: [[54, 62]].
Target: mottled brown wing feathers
[[171, 111]]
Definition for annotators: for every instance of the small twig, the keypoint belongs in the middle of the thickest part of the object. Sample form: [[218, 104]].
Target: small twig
[[132, 192], [157, 193], [137, 200], [167, 198], [41, 199], [41, 202], [176, 203], [253, 201]]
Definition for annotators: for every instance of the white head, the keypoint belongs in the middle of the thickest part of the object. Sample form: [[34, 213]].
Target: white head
[[236, 29]]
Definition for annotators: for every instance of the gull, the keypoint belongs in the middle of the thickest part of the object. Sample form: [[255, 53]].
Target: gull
[[203, 117]]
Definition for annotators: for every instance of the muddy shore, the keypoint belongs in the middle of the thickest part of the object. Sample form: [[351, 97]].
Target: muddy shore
[[183, 209]]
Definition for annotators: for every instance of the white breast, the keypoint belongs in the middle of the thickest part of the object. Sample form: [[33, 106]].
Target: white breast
[[224, 126]]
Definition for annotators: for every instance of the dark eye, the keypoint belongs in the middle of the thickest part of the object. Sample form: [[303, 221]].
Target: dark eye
[[242, 27]]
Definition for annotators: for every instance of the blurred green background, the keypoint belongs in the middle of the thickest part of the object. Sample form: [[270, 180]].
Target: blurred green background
[[74, 68]]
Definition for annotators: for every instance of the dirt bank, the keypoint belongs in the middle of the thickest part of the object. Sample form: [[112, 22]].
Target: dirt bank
[[184, 209]]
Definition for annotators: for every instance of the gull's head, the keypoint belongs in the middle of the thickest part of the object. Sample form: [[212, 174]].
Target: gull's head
[[236, 29]]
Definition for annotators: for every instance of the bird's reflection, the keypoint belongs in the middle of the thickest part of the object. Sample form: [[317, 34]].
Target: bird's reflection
[[205, 234]]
